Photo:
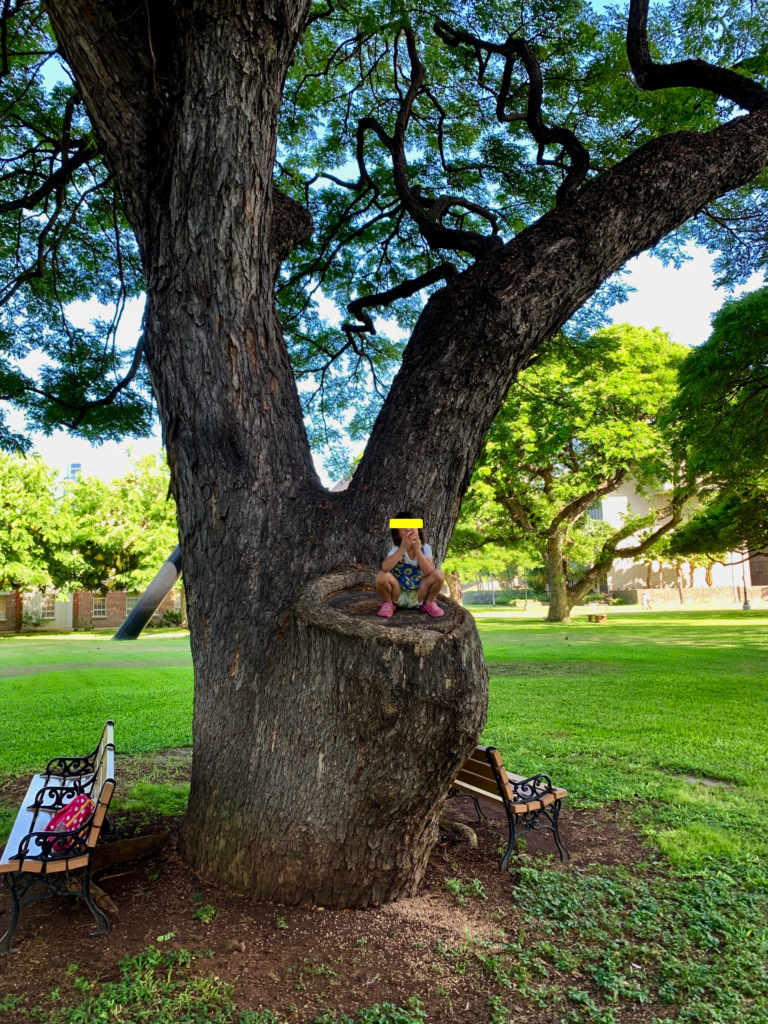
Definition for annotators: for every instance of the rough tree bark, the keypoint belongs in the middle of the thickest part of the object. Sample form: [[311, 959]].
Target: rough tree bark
[[323, 750], [557, 581], [454, 584]]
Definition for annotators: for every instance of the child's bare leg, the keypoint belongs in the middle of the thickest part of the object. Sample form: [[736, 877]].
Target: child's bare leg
[[431, 586], [388, 587]]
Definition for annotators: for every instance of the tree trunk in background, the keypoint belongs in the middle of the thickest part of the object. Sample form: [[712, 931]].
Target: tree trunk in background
[[454, 585], [648, 572], [708, 576], [323, 746], [559, 603]]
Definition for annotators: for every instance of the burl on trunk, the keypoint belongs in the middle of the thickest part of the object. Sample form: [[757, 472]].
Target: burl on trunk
[[324, 742]]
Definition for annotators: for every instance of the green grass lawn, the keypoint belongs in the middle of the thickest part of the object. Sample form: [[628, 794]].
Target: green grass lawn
[[622, 711], [56, 694]]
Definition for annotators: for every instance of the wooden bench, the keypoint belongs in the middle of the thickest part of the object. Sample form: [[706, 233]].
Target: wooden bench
[[525, 800], [34, 855], [597, 617]]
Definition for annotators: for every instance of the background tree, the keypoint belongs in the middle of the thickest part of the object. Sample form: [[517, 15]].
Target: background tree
[[32, 533], [575, 426], [120, 532], [632, 140], [722, 412]]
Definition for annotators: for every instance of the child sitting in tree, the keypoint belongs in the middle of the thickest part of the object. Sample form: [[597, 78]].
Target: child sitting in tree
[[408, 576]]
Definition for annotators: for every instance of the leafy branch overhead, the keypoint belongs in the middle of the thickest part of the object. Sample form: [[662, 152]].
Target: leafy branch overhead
[[419, 141], [65, 240], [422, 142]]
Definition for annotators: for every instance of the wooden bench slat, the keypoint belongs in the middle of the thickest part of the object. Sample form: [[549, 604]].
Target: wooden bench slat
[[483, 794], [485, 785]]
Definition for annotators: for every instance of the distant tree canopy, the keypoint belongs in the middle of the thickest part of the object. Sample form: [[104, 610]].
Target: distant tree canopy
[[32, 535], [722, 414], [579, 422], [85, 533], [463, 182]]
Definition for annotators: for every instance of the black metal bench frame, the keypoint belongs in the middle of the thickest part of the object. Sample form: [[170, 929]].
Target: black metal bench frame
[[42, 851], [516, 795]]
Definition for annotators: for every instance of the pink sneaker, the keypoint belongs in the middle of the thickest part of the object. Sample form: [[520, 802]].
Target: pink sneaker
[[431, 609], [387, 610]]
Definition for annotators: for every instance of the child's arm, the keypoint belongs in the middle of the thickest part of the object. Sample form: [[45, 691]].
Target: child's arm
[[391, 560], [426, 565]]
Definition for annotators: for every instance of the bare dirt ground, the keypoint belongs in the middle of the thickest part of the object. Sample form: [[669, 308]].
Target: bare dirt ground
[[299, 961]]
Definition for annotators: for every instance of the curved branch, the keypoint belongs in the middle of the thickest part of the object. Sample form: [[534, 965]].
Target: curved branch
[[544, 135], [106, 400], [60, 176], [696, 74], [445, 272], [426, 213]]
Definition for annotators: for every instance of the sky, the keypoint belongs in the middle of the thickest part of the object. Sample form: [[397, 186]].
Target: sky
[[681, 302]]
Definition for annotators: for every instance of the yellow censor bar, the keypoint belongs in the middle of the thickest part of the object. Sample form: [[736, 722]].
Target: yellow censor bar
[[406, 524]]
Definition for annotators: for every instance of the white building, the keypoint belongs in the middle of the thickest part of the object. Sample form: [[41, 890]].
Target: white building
[[628, 574]]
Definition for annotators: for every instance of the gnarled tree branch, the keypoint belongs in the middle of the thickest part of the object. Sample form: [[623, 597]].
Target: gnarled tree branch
[[445, 272], [544, 135], [426, 213], [696, 74]]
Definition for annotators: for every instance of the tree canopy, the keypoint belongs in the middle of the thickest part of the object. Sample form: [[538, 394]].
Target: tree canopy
[[83, 533], [417, 138], [722, 412], [578, 423], [32, 535]]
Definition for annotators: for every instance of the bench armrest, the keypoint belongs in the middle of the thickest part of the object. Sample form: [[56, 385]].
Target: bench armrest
[[533, 788], [58, 796], [77, 844]]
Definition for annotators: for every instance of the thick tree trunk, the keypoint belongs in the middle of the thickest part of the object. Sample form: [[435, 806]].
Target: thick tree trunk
[[454, 585], [557, 581], [324, 746], [343, 756]]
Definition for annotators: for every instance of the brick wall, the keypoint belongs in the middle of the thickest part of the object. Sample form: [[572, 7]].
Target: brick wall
[[115, 605], [12, 622]]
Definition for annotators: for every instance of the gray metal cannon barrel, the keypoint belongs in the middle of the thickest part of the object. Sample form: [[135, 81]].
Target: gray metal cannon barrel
[[152, 597]]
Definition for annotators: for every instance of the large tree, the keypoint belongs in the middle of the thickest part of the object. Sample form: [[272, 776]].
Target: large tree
[[575, 426], [722, 417], [324, 744]]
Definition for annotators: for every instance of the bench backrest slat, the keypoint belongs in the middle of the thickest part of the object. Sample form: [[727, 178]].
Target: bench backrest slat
[[477, 771], [104, 787]]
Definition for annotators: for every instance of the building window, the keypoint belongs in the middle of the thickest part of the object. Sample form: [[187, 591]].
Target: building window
[[48, 607], [99, 607], [595, 511], [3, 599], [177, 600], [131, 601]]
